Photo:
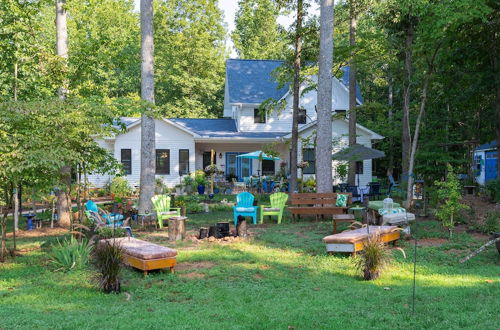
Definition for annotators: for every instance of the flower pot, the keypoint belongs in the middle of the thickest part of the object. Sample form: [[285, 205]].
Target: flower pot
[[201, 189], [210, 196], [183, 211]]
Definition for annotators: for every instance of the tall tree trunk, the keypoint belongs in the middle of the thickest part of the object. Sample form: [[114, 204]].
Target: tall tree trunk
[[324, 122], [409, 188], [406, 135], [148, 165], [16, 208], [353, 22], [390, 101], [296, 96], [63, 207]]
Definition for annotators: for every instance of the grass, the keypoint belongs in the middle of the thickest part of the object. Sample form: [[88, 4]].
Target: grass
[[279, 278]]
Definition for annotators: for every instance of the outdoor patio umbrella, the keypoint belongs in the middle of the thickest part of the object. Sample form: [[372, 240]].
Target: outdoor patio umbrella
[[358, 152], [260, 155]]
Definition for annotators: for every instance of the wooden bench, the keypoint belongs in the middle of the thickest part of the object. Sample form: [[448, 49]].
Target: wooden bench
[[352, 241], [146, 256], [317, 204]]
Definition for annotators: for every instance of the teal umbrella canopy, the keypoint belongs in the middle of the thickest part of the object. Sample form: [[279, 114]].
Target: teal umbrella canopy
[[357, 152], [257, 155]]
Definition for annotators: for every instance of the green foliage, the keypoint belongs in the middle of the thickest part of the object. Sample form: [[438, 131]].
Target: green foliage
[[108, 232], [373, 259], [493, 189], [120, 187], [491, 222], [189, 58], [194, 208], [257, 34], [449, 192], [70, 254], [108, 257], [220, 208], [199, 177]]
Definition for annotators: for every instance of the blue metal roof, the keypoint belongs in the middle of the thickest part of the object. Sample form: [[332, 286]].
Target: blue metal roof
[[486, 146], [222, 128], [345, 81], [251, 81]]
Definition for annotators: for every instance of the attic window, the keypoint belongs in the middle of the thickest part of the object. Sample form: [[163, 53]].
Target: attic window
[[259, 117], [302, 116]]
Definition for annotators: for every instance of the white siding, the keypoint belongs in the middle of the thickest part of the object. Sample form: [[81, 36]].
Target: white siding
[[167, 137], [282, 122]]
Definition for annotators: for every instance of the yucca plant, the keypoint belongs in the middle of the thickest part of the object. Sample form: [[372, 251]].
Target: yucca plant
[[70, 254], [108, 258], [373, 259]]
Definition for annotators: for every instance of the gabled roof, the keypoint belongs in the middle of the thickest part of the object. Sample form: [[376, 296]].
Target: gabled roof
[[220, 128], [251, 81], [487, 146], [345, 82]]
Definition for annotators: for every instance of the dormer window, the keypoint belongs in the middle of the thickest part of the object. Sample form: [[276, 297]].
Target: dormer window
[[302, 116], [259, 117]]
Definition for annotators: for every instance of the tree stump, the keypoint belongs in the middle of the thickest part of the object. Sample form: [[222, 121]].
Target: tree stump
[[176, 228], [241, 228]]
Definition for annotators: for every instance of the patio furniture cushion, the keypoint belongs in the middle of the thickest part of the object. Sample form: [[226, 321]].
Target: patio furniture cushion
[[341, 200], [357, 235], [397, 218], [376, 205], [144, 250], [168, 212], [391, 211], [245, 209], [271, 209]]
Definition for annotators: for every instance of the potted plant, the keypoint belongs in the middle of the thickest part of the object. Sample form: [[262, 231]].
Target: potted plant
[[188, 184], [179, 189], [200, 180], [181, 203]]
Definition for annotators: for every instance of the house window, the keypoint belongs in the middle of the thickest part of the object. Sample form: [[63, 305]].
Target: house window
[[207, 160], [478, 162], [183, 161], [359, 167], [308, 155], [162, 161], [268, 167], [126, 160], [259, 117], [302, 116]]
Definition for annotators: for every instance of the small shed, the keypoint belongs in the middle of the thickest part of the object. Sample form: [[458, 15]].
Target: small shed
[[485, 162]]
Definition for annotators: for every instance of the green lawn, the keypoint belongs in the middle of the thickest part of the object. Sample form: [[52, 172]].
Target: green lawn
[[279, 278]]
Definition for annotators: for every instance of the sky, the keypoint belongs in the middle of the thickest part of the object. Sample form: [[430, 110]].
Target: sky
[[229, 7]]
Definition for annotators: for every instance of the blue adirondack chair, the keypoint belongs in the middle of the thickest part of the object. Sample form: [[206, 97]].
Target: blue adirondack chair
[[111, 218], [244, 207]]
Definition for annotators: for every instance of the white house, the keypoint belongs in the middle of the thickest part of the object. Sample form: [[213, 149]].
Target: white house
[[184, 145]]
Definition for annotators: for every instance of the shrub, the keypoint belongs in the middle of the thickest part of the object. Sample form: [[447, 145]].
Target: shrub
[[70, 254], [493, 189], [199, 177], [373, 259], [194, 208], [492, 222], [108, 259], [160, 187], [120, 187], [107, 232], [450, 195]]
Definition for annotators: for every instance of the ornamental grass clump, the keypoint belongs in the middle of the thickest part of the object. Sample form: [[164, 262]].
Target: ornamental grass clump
[[71, 254], [108, 257], [373, 259]]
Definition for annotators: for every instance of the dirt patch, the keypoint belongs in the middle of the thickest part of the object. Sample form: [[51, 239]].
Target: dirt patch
[[192, 275], [41, 232], [264, 267], [258, 276], [431, 241], [194, 265]]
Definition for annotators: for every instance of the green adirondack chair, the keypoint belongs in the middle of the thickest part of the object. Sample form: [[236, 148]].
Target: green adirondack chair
[[163, 210], [278, 204]]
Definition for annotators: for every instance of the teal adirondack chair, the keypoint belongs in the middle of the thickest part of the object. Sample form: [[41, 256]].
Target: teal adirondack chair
[[110, 218], [278, 204], [244, 207], [163, 210]]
